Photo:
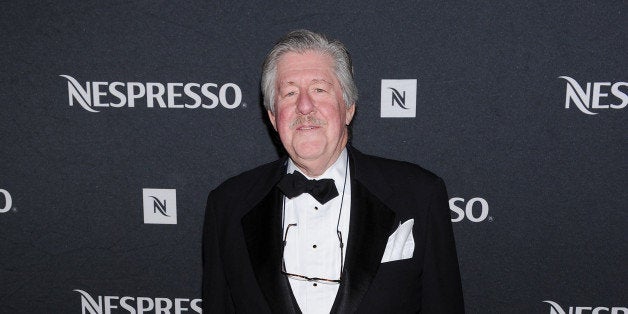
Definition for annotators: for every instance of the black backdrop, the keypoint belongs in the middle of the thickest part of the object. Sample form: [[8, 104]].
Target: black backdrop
[[544, 171]]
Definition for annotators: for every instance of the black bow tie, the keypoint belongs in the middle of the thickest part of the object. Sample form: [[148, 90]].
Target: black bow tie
[[295, 184]]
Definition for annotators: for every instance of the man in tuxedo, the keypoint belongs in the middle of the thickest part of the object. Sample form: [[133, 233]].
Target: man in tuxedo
[[326, 228]]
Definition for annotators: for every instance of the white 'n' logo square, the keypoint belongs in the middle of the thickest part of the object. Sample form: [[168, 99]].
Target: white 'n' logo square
[[398, 98], [160, 206]]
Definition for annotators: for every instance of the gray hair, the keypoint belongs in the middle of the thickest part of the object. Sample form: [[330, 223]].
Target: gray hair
[[301, 41]]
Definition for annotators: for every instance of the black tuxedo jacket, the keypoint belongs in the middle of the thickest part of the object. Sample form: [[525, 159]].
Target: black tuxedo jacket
[[242, 243]]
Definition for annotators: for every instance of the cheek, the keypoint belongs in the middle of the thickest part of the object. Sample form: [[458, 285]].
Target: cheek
[[284, 119], [337, 114]]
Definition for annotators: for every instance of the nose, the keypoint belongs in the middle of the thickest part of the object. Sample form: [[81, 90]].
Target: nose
[[305, 105]]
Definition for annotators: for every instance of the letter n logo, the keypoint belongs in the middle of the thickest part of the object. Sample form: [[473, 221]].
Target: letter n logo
[[398, 98], [88, 304], [577, 95], [555, 308], [160, 206]]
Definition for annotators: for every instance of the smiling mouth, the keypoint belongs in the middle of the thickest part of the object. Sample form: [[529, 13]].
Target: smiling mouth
[[306, 123], [307, 127]]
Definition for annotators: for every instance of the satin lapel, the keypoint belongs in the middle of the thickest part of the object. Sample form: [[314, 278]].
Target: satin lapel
[[371, 224], [262, 232]]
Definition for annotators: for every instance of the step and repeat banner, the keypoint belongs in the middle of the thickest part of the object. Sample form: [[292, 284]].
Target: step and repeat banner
[[118, 117]]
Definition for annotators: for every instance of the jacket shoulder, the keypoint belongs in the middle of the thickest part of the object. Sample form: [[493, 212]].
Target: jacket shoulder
[[400, 172], [249, 184]]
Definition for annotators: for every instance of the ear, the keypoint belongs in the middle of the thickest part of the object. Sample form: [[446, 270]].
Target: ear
[[271, 117], [349, 114]]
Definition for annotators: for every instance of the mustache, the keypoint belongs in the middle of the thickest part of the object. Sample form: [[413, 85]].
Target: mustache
[[309, 120]]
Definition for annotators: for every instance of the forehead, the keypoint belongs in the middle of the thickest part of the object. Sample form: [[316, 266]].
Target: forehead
[[294, 67]]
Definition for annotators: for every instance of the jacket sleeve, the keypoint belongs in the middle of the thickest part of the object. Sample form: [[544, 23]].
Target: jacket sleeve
[[216, 294], [442, 288]]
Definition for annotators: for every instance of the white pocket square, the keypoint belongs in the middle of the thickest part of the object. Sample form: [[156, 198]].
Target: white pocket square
[[400, 244]]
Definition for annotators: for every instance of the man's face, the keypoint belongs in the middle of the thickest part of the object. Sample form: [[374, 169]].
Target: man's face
[[310, 113]]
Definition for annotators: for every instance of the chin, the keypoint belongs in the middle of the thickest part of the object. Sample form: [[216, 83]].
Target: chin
[[308, 155], [309, 151]]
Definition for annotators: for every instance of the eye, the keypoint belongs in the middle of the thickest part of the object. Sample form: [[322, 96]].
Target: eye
[[291, 93], [319, 90]]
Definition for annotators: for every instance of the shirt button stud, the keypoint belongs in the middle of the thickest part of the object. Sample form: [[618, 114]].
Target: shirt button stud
[[314, 246]]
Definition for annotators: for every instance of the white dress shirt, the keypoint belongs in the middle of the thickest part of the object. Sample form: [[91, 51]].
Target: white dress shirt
[[312, 246]]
